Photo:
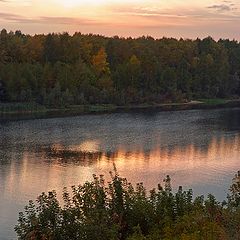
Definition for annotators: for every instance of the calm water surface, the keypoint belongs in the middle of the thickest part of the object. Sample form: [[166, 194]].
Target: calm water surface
[[200, 149]]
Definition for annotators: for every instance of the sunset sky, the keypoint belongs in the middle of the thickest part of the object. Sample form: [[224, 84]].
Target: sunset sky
[[158, 18]]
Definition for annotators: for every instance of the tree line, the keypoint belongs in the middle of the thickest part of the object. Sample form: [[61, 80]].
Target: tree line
[[62, 69]]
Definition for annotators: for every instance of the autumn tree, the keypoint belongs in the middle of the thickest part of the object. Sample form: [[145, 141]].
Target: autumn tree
[[96, 69], [102, 71]]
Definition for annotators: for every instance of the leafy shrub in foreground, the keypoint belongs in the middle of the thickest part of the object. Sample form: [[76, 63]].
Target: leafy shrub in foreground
[[117, 210]]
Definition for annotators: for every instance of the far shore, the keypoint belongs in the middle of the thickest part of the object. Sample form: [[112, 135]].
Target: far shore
[[29, 111]]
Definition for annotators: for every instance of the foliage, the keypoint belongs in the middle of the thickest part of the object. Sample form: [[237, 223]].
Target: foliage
[[117, 210], [58, 70]]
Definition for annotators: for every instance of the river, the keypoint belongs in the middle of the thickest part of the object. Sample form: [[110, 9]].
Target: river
[[199, 149]]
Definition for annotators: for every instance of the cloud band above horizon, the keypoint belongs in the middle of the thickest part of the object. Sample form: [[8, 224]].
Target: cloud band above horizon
[[172, 18]]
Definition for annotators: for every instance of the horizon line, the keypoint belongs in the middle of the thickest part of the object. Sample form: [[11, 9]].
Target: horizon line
[[118, 36]]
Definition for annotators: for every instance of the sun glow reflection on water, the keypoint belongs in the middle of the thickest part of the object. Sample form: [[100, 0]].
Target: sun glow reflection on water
[[198, 149]]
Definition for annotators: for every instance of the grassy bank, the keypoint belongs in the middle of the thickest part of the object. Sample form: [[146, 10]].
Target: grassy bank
[[214, 101], [21, 108], [36, 110]]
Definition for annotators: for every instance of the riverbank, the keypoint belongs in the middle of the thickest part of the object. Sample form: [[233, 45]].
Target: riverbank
[[33, 110]]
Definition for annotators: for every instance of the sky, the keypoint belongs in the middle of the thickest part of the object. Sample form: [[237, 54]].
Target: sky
[[156, 18]]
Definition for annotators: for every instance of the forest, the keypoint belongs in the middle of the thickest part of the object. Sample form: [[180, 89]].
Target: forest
[[58, 70]]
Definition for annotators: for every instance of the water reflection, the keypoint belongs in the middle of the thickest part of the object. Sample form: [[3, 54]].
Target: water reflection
[[210, 161], [191, 166], [217, 149], [199, 149]]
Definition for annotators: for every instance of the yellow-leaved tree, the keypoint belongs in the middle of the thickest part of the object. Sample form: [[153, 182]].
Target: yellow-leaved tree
[[102, 70], [100, 63]]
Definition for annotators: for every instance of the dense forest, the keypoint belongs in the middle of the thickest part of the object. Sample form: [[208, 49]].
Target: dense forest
[[59, 69], [118, 211]]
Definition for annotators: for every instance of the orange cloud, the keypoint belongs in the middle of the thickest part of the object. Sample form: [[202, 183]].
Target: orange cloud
[[174, 18]]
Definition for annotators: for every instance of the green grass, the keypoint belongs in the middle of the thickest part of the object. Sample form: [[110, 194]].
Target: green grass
[[14, 108], [214, 101], [100, 108]]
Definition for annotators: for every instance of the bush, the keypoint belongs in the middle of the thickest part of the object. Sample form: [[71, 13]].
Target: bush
[[117, 210]]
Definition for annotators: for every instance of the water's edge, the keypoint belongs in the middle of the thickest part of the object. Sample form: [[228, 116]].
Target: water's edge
[[102, 109]]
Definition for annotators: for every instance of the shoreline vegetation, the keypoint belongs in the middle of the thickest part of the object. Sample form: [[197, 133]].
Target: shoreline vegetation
[[34, 110], [85, 73], [119, 211]]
